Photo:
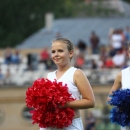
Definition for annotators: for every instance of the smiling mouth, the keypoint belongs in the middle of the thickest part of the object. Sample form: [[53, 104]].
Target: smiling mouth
[[56, 59]]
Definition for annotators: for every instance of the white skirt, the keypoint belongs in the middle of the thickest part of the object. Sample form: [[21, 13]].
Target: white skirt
[[76, 125]]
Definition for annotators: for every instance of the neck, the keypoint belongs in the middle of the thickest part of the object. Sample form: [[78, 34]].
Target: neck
[[63, 68]]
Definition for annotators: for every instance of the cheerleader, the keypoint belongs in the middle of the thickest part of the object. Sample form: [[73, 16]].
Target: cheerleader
[[62, 51], [122, 80]]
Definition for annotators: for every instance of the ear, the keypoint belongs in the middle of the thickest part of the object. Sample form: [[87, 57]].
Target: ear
[[71, 54]]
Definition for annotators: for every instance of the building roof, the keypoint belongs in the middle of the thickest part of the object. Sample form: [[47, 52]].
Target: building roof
[[75, 29]]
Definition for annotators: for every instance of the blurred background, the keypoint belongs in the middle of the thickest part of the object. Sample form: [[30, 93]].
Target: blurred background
[[100, 31]]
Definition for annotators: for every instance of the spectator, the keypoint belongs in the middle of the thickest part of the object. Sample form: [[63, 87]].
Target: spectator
[[108, 62], [90, 122], [103, 53], [118, 59], [44, 57], [121, 32], [16, 57], [79, 61], [81, 46], [111, 30], [94, 41], [32, 61], [127, 34], [112, 52], [116, 40], [8, 56], [94, 64]]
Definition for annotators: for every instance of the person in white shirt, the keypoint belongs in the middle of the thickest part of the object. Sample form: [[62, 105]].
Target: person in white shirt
[[78, 85], [118, 59], [116, 40]]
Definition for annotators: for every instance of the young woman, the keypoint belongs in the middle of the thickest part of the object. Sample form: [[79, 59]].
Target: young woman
[[78, 85], [122, 80]]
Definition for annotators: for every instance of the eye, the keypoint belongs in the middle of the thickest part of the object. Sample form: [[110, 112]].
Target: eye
[[52, 51]]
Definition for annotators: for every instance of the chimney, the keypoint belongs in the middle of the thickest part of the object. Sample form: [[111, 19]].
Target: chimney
[[49, 17]]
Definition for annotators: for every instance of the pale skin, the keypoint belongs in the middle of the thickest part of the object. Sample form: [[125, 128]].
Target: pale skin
[[117, 83], [61, 57]]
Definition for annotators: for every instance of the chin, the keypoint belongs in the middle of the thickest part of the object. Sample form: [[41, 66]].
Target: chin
[[57, 63]]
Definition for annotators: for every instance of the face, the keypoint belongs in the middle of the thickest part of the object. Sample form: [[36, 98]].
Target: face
[[60, 53]]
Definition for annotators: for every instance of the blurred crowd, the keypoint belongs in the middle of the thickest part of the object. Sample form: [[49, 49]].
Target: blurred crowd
[[92, 55], [112, 55]]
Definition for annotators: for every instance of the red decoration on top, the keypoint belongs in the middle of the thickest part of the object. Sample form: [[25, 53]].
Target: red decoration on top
[[46, 97]]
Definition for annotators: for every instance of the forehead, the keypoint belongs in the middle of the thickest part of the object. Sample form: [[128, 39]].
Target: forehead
[[58, 44]]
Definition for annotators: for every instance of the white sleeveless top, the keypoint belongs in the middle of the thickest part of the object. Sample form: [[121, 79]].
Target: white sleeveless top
[[126, 78], [125, 84], [67, 78]]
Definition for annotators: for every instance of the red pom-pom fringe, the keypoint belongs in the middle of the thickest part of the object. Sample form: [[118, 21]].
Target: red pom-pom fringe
[[46, 97]]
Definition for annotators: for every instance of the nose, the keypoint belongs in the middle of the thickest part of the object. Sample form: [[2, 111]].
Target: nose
[[56, 53]]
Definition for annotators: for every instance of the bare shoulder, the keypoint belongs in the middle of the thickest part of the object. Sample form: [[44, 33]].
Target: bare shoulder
[[117, 83], [79, 76], [119, 76], [79, 73]]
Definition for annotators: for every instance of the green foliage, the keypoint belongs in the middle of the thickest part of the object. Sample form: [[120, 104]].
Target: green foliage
[[127, 1], [21, 18], [98, 8]]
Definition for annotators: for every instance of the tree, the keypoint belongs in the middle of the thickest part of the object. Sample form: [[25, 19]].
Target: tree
[[127, 1], [21, 18]]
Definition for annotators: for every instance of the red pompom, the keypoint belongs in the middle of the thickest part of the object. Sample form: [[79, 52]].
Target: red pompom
[[46, 97]]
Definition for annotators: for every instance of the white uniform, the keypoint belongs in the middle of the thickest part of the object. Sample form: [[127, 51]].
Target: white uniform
[[125, 85], [67, 78]]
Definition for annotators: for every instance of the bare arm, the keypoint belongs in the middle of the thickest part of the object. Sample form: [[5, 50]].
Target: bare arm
[[83, 85], [116, 85]]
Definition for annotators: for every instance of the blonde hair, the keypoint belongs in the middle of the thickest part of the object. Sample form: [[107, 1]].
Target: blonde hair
[[70, 45]]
